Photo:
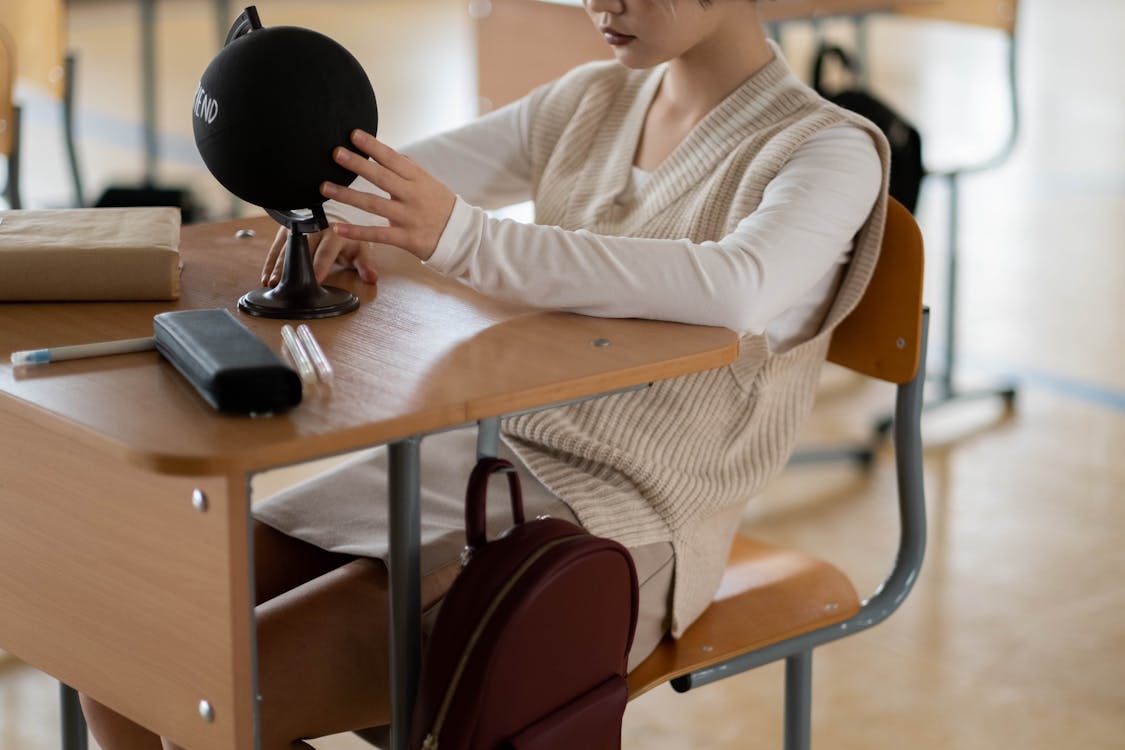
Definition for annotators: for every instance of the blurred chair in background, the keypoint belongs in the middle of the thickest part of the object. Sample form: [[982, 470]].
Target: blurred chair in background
[[1000, 16], [9, 119], [37, 28]]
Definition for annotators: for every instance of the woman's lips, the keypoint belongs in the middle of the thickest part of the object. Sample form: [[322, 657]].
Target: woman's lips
[[616, 38]]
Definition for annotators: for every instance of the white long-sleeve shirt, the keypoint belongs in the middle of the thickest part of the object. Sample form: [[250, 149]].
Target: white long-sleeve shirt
[[777, 272]]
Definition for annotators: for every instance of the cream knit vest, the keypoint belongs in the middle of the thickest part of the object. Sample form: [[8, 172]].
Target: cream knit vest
[[678, 461]]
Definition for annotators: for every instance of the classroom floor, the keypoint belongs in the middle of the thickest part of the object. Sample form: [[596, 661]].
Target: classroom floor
[[1015, 633]]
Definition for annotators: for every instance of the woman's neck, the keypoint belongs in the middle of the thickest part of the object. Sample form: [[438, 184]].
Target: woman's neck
[[698, 80], [695, 82]]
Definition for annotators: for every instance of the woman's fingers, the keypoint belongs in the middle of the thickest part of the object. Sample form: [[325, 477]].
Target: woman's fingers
[[382, 235], [384, 154], [375, 172], [275, 257], [327, 253], [373, 204], [417, 205]]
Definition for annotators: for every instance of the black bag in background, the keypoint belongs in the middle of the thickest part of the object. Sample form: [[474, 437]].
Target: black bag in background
[[906, 142]]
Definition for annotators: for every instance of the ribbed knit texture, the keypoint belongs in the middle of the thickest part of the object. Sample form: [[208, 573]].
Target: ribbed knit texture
[[678, 461]]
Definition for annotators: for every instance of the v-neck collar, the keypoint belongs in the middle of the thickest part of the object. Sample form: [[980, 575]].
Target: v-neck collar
[[759, 99]]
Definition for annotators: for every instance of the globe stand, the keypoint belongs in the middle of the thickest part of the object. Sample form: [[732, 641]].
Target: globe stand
[[298, 296]]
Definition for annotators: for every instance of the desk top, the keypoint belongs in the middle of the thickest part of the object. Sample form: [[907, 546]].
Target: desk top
[[422, 353]]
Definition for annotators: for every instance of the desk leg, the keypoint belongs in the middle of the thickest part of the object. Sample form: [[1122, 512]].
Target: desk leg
[[404, 477], [73, 722]]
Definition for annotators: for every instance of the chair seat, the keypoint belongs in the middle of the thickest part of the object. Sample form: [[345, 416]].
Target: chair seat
[[767, 594]]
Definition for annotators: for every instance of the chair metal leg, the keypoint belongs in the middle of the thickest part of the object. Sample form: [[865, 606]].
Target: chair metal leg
[[863, 455], [12, 189], [68, 130], [798, 700], [72, 721]]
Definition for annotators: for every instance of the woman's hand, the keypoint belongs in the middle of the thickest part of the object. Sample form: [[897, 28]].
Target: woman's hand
[[418, 207], [328, 251]]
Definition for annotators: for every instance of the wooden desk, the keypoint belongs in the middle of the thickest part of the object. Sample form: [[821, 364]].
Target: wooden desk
[[120, 583], [512, 57]]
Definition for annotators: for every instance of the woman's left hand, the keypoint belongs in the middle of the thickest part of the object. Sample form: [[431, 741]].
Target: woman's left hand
[[418, 207]]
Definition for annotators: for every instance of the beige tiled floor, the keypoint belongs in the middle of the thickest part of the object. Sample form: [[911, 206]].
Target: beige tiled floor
[[1015, 633]]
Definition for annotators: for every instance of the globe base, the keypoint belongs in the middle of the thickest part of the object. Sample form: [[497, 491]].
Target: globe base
[[299, 296], [319, 302]]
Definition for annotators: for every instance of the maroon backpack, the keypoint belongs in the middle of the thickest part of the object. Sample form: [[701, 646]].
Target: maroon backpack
[[529, 648]]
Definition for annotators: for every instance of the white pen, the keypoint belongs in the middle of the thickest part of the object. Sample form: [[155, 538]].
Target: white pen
[[80, 351], [319, 360], [299, 355]]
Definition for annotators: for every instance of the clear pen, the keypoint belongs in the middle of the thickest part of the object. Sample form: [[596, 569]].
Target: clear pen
[[316, 354], [299, 355]]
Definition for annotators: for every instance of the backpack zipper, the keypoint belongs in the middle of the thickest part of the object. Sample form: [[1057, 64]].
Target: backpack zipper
[[431, 741]]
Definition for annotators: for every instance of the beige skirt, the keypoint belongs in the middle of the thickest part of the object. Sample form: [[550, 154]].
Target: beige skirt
[[344, 510]]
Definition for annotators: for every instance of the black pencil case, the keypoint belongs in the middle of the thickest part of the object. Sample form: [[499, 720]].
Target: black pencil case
[[226, 362]]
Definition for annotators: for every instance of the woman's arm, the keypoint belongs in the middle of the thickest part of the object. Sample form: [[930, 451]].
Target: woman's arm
[[485, 161], [799, 235]]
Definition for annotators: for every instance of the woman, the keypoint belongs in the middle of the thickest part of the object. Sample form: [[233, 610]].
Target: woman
[[695, 179]]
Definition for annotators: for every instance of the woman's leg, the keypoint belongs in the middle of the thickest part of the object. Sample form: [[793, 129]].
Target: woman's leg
[[281, 563]]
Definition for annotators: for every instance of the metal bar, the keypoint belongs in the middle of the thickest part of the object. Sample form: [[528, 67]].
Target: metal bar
[[404, 477], [222, 19], [148, 86], [798, 701], [488, 436], [908, 561], [73, 723], [13, 187], [863, 455], [953, 228], [68, 130], [862, 49], [252, 613]]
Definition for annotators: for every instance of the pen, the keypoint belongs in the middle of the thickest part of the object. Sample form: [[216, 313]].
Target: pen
[[316, 354], [79, 351], [299, 355]]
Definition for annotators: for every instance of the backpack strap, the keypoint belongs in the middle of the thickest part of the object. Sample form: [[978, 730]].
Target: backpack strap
[[823, 52], [475, 498]]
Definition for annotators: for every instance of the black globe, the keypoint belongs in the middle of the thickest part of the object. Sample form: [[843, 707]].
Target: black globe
[[270, 109]]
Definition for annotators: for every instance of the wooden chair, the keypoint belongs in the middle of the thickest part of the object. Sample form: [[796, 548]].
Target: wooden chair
[[9, 119], [777, 603]]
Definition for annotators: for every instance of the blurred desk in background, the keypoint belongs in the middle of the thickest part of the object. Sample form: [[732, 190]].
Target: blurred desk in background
[[512, 57]]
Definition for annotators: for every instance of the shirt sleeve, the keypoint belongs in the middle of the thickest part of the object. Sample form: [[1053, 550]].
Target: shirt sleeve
[[801, 233]]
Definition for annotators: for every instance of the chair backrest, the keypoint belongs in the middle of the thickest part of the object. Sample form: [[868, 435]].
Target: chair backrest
[[7, 85], [882, 335], [996, 14]]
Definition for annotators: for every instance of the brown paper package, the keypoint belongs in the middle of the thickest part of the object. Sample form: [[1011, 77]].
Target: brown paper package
[[90, 254]]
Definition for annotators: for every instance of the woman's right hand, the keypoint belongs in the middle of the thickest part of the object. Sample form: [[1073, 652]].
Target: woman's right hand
[[329, 251]]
